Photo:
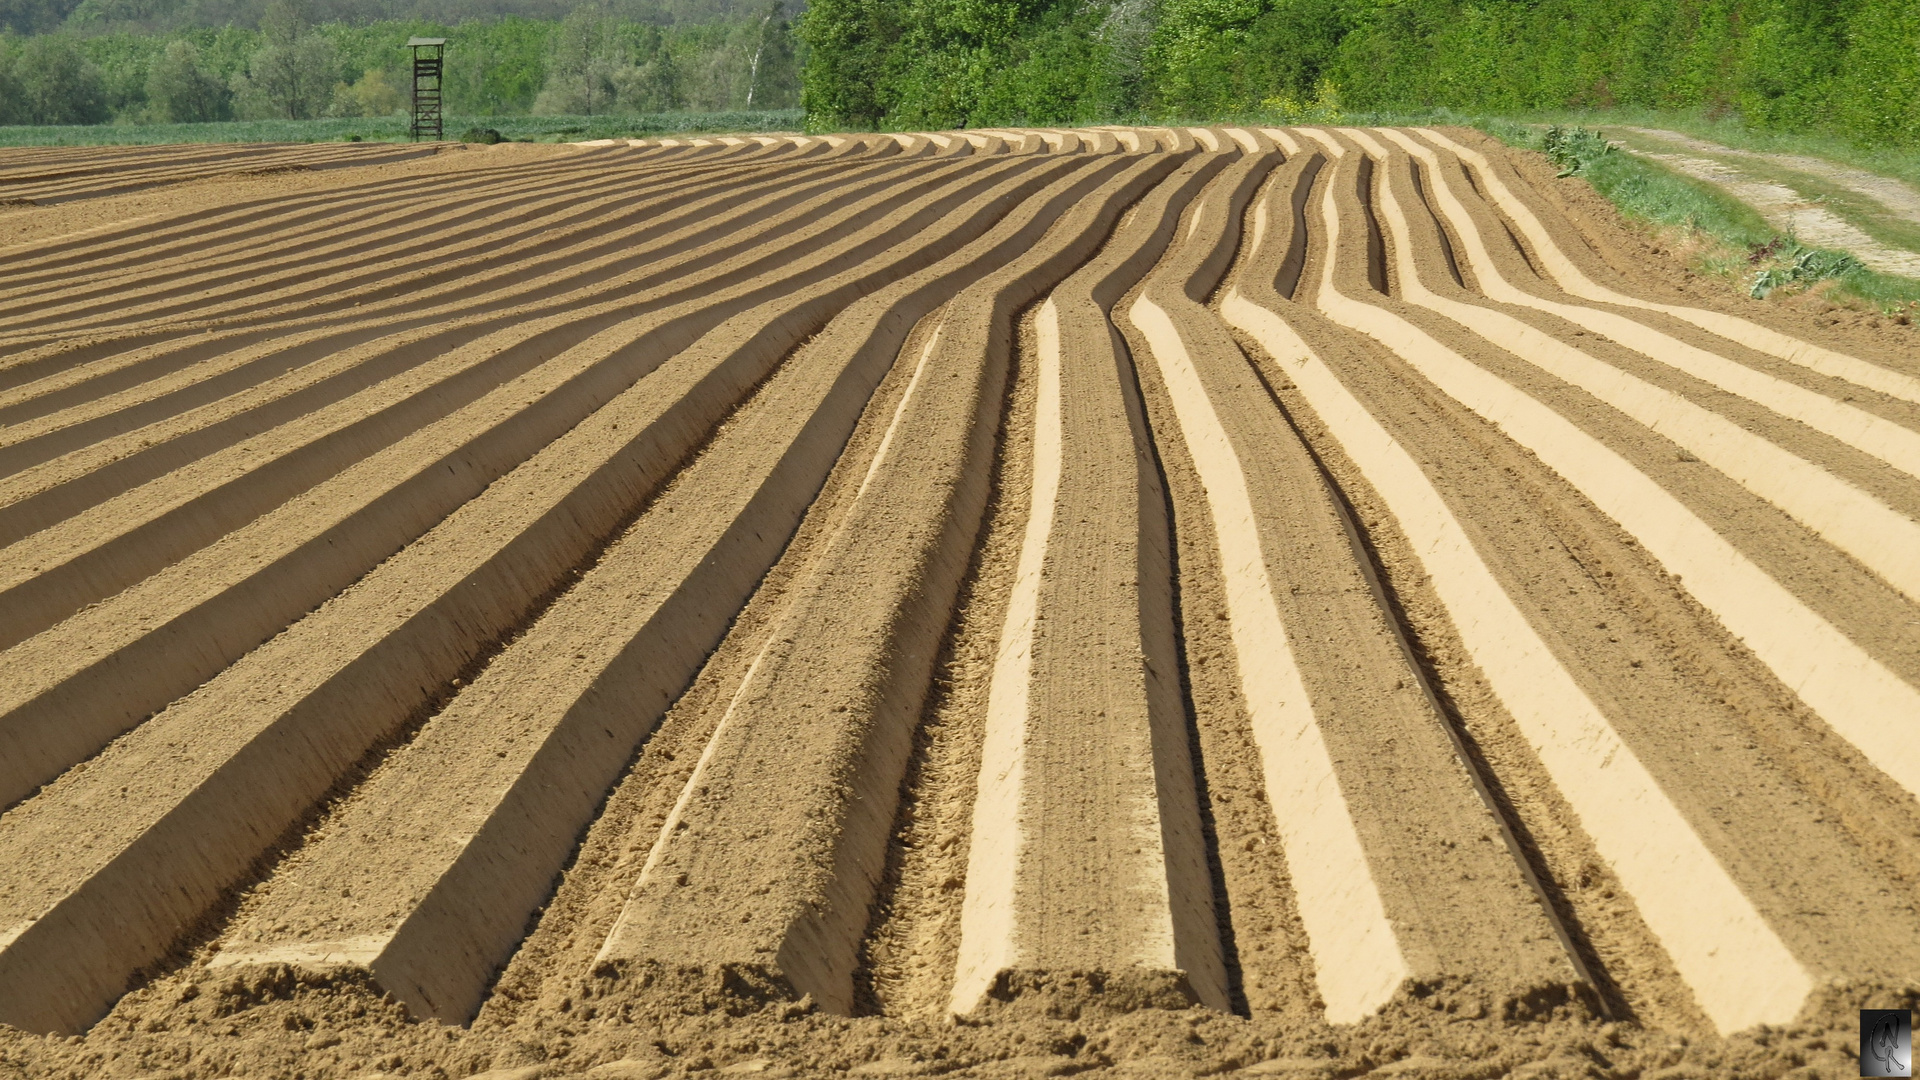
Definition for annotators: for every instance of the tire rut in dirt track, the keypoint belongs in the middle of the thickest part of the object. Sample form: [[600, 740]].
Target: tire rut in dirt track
[[984, 586]]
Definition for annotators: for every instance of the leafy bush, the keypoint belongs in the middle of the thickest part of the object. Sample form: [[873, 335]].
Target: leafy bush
[[1808, 267], [1574, 149], [54, 83], [375, 94], [181, 90], [1644, 189]]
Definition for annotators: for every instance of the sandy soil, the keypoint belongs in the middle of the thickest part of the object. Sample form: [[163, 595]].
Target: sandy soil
[[1161, 602]]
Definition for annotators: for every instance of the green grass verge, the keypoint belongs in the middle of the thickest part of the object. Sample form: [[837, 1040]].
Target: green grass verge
[[1858, 209], [1744, 244], [1901, 163], [394, 129]]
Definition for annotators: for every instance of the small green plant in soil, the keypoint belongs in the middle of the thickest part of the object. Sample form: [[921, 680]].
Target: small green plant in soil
[[1799, 266]]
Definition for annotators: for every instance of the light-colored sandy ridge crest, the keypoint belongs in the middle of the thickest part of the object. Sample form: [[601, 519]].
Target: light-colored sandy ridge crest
[[1086, 855], [795, 848], [1148, 598]]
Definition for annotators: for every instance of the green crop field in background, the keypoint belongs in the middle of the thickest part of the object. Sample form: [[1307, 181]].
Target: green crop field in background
[[394, 128]]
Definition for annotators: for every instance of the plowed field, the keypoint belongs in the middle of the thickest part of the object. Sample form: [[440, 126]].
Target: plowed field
[[1164, 601]]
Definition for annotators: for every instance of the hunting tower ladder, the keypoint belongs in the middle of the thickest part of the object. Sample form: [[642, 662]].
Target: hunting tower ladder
[[427, 54]]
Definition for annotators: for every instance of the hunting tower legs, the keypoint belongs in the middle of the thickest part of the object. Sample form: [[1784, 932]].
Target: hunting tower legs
[[427, 54]]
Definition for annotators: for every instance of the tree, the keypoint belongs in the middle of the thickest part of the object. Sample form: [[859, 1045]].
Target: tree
[[33, 16], [849, 43], [650, 82], [500, 67], [586, 54], [770, 74], [180, 90], [376, 94], [57, 84], [12, 106], [293, 74]]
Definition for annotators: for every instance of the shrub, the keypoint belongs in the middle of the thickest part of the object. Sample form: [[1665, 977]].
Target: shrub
[[1574, 149], [374, 94], [293, 74], [1808, 267], [180, 90], [56, 84]]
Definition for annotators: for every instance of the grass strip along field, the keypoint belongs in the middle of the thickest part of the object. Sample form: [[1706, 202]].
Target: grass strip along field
[[1181, 599]]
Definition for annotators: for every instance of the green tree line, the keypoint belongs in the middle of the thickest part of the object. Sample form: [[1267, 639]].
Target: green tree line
[[1848, 67], [165, 16], [594, 60]]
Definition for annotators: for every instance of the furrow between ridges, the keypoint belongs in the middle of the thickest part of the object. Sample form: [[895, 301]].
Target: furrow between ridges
[[1084, 727], [635, 629], [1850, 689], [1839, 512], [234, 221], [1716, 938], [368, 658], [173, 630], [623, 249], [173, 236], [1337, 749], [812, 173], [113, 543], [1744, 331], [773, 866], [526, 198], [336, 247], [521, 275], [1873, 435], [58, 192]]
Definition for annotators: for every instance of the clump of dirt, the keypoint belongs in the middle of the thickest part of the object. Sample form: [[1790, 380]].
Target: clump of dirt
[[273, 170], [655, 1023]]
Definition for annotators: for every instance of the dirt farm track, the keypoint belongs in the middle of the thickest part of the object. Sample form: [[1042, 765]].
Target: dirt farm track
[[1149, 602]]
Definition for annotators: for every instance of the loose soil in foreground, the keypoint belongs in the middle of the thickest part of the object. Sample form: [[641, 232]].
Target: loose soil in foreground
[[1304, 602]]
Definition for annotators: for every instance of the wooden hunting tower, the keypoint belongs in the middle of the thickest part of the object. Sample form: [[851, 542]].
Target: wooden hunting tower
[[427, 54]]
